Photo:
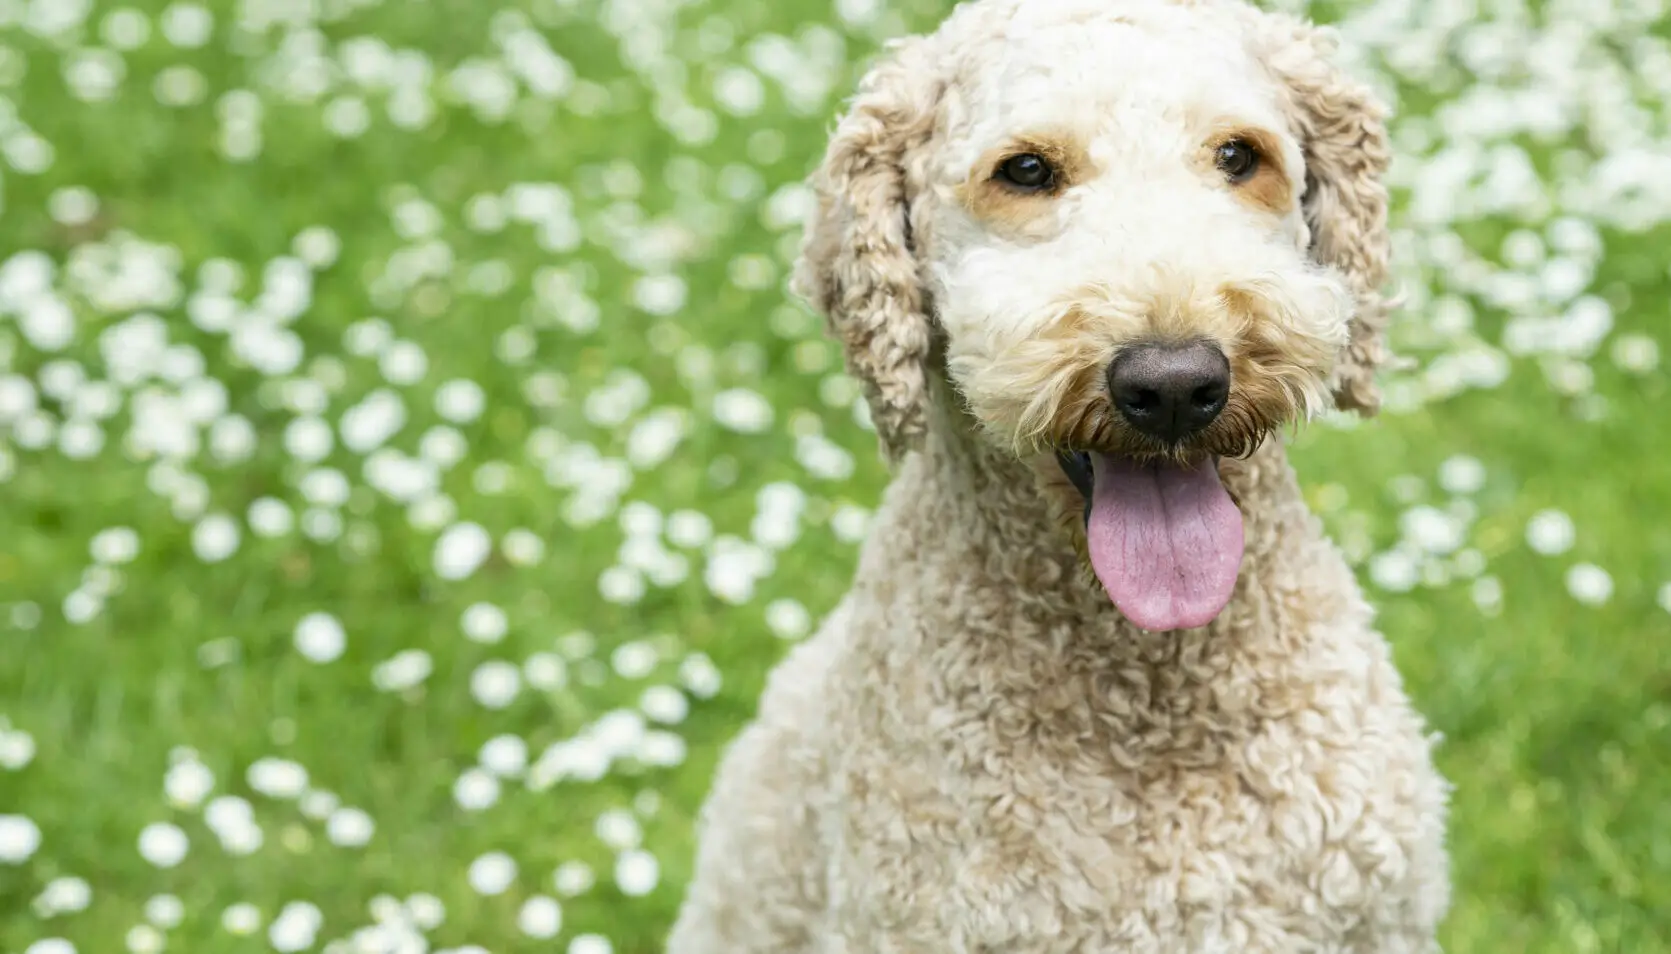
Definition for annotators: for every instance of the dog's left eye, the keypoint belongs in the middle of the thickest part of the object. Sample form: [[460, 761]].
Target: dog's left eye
[[1237, 160], [1028, 171]]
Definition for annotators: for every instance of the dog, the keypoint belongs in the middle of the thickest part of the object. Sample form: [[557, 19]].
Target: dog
[[1101, 682]]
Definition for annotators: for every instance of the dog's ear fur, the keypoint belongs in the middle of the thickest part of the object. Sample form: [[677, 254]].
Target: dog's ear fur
[[857, 264], [1342, 129]]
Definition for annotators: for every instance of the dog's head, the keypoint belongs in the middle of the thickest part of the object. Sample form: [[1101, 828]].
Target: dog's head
[[1134, 235]]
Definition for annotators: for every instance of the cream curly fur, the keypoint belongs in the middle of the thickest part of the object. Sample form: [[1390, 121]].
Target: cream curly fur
[[977, 752]]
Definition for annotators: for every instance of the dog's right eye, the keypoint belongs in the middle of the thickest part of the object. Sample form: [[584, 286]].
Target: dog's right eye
[[1028, 171], [1237, 159]]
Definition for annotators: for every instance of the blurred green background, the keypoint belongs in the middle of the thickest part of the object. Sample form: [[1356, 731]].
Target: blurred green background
[[410, 462]]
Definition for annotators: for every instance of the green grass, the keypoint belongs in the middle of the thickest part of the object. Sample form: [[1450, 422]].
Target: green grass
[[1556, 711]]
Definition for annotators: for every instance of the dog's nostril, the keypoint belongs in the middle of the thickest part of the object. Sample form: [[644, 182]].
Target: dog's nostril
[[1207, 396], [1170, 392]]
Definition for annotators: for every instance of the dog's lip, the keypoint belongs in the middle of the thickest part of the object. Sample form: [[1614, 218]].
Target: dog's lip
[[1076, 464]]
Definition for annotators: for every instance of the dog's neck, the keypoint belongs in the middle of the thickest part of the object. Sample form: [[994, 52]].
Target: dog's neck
[[961, 494]]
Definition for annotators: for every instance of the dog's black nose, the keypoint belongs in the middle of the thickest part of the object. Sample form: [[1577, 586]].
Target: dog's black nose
[[1170, 392]]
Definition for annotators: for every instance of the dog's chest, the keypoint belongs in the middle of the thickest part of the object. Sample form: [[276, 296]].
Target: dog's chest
[[1238, 844]]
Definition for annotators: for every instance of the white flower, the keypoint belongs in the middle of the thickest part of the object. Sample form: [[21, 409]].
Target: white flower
[[1589, 584], [295, 927], [655, 436], [215, 538], [622, 585], [540, 917], [572, 878], [460, 550], [270, 517], [483, 623], [460, 400], [1462, 474], [64, 895], [368, 424], [404, 670], [618, 829], [163, 844], [241, 918], [426, 911], [742, 410], [17, 748], [320, 638], [1432, 530], [187, 24], [144, 939], [277, 778], [495, 683], [492, 873], [403, 363], [308, 439], [523, 547], [349, 827], [591, 944], [476, 790], [504, 755], [545, 672], [1550, 532], [659, 294], [689, 528], [1394, 571], [700, 676], [114, 546], [788, 618], [165, 911], [664, 704], [634, 660], [636, 873]]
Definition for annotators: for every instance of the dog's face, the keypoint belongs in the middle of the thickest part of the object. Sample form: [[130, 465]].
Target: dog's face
[[1115, 249], [1143, 233]]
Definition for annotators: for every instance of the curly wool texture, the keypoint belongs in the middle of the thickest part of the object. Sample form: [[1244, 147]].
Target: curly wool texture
[[1347, 155], [977, 752], [857, 266]]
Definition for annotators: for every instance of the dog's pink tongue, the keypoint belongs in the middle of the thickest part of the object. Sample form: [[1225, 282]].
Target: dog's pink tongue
[[1166, 542]]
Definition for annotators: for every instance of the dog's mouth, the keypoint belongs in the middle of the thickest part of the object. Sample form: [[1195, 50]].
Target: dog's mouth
[[1164, 538]]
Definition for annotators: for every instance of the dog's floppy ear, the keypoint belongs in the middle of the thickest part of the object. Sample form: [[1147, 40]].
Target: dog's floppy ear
[[1342, 130], [856, 265]]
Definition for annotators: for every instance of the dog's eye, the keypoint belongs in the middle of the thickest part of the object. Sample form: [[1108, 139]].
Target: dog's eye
[[1027, 171], [1237, 160]]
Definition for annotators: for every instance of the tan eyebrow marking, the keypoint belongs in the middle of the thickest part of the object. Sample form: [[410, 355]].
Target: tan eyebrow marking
[[1268, 188], [1011, 209]]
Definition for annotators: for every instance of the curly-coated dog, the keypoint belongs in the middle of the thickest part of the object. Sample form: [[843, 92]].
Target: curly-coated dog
[[1101, 685]]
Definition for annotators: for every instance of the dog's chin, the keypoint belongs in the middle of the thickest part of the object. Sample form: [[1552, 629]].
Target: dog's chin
[[1163, 536]]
